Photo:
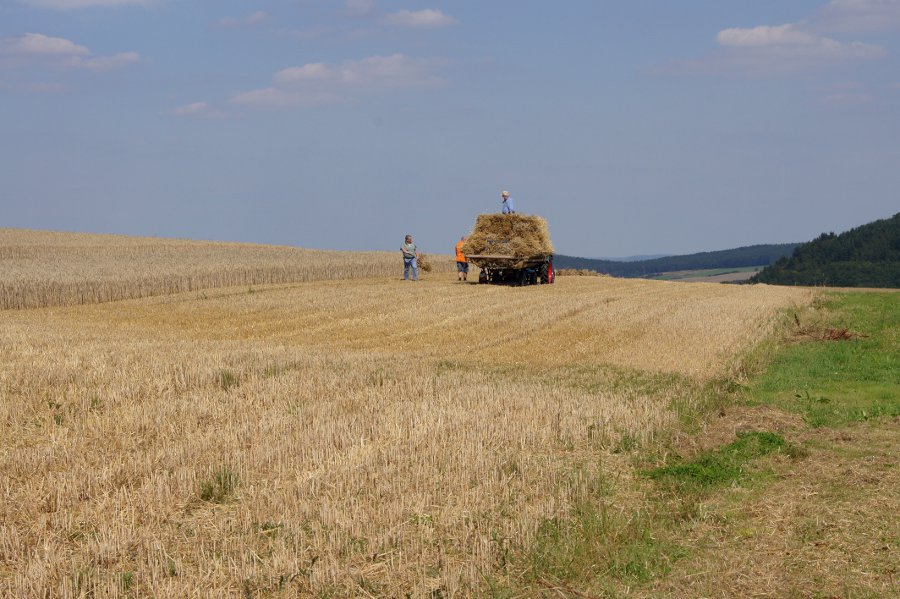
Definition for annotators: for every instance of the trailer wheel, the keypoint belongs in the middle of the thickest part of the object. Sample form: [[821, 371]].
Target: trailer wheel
[[523, 278], [483, 277]]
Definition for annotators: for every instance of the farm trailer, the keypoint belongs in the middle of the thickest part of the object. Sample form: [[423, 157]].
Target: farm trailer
[[512, 270]]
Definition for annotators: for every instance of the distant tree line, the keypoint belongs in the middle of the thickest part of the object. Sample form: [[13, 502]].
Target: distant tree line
[[867, 256], [754, 255]]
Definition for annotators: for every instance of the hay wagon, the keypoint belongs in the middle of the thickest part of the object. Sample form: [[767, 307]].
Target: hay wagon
[[511, 248], [512, 270]]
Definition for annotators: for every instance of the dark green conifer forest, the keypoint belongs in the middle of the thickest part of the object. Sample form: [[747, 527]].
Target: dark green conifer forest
[[867, 256], [754, 255]]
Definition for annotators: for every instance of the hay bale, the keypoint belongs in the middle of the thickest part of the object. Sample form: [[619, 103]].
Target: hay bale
[[516, 235], [424, 263]]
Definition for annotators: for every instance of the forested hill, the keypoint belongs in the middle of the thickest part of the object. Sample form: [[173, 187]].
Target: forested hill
[[867, 256], [754, 255]]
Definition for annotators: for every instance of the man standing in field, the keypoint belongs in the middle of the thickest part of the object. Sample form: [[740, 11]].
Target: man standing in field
[[509, 206], [462, 263], [410, 254]]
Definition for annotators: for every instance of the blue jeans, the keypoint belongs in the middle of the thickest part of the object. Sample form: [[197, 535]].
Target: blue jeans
[[410, 263]]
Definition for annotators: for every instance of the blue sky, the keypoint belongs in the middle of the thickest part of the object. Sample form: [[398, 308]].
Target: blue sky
[[645, 126]]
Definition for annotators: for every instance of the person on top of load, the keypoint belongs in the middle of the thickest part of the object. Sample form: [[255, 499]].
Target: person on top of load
[[462, 263], [509, 206]]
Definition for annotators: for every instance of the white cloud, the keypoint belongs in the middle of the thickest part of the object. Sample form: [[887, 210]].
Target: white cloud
[[252, 20], [197, 110], [776, 50], [793, 50], [321, 83], [765, 35], [77, 4], [428, 18], [395, 71], [797, 47], [104, 63], [258, 17], [314, 71], [858, 16], [812, 43], [36, 44], [35, 49]]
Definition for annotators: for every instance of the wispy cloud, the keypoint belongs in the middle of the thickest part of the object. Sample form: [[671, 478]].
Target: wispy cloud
[[78, 4], [844, 93], [857, 16], [758, 52], [428, 18], [321, 83], [39, 45], [788, 48], [377, 72], [31, 87], [765, 35], [103, 63], [197, 110], [803, 45], [361, 19], [275, 98], [847, 99], [36, 49], [359, 8], [252, 20]]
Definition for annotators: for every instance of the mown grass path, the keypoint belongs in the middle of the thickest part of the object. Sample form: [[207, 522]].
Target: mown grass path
[[817, 520]]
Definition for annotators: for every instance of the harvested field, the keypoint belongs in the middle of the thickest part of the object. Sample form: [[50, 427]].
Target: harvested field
[[351, 438], [44, 268], [709, 275], [578, 272]]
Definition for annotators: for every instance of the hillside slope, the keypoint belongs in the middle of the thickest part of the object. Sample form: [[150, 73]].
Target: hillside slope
[[47, 268], [753, 255], [867, 256]]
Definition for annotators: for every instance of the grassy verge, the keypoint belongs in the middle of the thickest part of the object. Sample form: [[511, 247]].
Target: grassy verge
[[809, 513], [723, 466], [831, 383]]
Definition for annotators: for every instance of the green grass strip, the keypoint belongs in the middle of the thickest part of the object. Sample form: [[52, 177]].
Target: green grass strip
[[832, 383], [724, 466]]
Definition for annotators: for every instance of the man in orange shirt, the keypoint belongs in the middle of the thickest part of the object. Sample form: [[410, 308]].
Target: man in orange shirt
[[462, 263]]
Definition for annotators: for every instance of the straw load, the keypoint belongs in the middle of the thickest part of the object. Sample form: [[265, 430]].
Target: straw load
[[517, 235], [424, 263]]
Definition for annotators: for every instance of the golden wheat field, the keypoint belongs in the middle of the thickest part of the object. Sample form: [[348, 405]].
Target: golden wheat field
[[45, 268], [343, 438]]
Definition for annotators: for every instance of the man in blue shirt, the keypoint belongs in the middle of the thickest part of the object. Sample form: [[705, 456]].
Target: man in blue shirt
[[508, 205], [410, 257]]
